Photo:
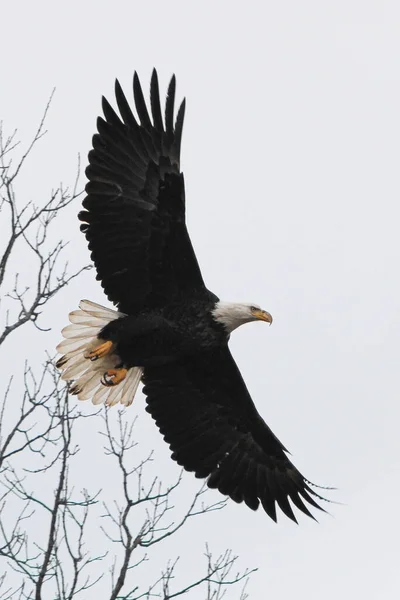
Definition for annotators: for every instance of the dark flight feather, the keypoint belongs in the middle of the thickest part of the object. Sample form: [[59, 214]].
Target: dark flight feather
[[155, 103], [169, 109], [140, 104]]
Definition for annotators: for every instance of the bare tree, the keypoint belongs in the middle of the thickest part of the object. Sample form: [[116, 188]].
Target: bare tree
[[47, 527]]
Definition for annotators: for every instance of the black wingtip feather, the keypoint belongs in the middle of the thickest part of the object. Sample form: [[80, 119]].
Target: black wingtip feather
[[266, 491], [297, 501], [319, 487], [311, 500], [179, 119], [178, 129], [169, 108], [109, 113], [140, 102], [285, 507], [268, 505], [155, 103], [123, 106]]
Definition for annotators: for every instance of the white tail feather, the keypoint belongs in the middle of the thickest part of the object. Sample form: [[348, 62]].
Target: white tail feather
[[80, 338]]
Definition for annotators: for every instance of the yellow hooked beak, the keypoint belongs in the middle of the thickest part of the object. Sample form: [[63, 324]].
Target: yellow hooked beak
[[262, 315]]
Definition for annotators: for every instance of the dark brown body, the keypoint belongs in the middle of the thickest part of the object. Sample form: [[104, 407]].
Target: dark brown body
[[161, 336]]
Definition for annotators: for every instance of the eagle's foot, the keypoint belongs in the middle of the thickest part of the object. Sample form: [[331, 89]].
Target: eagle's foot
[[114, 376], [100, 351]]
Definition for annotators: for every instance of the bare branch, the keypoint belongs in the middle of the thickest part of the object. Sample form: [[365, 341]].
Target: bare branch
[[31, 225], [218, 576]]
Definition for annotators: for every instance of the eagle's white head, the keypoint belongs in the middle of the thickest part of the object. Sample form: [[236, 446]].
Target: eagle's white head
[[234, 314]]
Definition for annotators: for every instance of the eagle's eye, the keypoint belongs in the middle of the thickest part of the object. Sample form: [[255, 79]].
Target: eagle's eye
[[253, 308]]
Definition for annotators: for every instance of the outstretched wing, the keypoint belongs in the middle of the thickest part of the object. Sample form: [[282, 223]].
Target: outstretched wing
[[203, 409], [135, 206]]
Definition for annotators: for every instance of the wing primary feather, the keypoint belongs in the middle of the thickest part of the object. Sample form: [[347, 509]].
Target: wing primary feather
[[268, 505], [249, 487], [311, 500], [169, 108], [265, 493], [285, 507], [155, 103], [123, 106], [140, 103], [109, 113], [297, 501], [178, 130], [319, 487]]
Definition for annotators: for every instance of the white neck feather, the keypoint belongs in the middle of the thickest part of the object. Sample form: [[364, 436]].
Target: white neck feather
[[232, 314]]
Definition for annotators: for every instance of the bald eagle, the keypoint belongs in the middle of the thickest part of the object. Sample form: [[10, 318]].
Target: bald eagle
[[169, 331]]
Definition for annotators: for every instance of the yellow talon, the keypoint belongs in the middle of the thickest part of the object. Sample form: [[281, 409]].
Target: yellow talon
[[100, 351], [113, 376]]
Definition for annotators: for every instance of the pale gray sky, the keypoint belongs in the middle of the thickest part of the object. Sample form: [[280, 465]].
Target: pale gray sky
[[291, 154]]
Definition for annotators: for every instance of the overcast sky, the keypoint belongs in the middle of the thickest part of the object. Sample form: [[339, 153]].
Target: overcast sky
[[291, 155]]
